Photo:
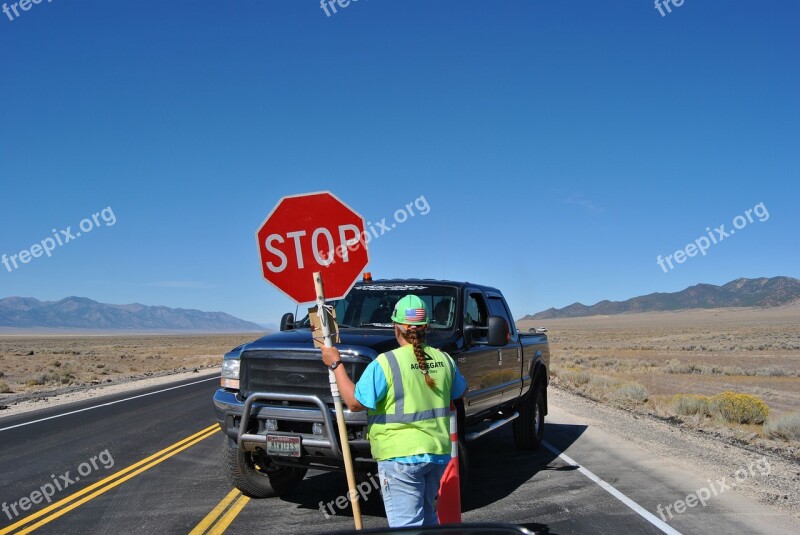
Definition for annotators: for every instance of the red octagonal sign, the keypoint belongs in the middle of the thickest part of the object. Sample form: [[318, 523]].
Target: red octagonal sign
[[308, 233]]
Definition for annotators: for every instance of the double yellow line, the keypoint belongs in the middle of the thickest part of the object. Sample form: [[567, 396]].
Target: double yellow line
[[213, 523], [62, 507]]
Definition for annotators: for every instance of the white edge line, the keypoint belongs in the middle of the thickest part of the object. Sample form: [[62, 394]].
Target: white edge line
[[106, 404], [641, 511]]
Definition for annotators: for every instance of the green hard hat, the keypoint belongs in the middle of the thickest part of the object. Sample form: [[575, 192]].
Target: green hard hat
[[410, 310]]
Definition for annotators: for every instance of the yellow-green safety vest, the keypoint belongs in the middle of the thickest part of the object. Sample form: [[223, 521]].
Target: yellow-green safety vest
[[413, 418]]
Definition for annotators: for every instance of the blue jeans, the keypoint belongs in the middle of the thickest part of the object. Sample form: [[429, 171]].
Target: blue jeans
[[409, 492]]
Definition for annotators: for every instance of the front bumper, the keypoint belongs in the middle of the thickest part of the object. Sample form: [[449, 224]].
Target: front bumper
[[295, 415]]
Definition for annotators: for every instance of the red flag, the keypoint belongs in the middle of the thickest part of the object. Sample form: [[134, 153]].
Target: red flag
[[449, 508]]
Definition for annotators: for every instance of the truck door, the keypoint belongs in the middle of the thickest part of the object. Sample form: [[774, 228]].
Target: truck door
[[510, 355], [480, 363]]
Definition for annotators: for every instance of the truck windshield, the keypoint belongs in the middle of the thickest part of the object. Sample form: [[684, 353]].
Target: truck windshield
[[371, 305]]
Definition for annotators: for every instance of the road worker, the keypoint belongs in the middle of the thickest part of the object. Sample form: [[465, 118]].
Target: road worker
[[407, 394]]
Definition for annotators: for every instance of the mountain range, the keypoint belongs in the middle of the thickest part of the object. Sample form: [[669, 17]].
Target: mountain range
[[761, 292], [83, 313], [86, 314]]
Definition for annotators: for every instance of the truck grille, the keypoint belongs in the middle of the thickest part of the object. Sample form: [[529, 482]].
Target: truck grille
[[293, 372]]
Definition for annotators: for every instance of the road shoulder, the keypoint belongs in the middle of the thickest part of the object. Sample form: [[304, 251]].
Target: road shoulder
[[706, 457]]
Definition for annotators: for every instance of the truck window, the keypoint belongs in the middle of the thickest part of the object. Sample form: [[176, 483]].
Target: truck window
[[498, 308], [443, 310], [475, 311], [376, 309], [371, 305]]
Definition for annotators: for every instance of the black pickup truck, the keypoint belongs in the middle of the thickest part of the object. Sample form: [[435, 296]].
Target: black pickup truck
[[275, 406]]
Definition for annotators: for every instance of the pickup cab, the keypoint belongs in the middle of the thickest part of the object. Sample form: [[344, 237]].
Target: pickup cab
[[275, 405]]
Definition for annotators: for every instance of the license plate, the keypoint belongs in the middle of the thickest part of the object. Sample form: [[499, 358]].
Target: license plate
[[283, 446]]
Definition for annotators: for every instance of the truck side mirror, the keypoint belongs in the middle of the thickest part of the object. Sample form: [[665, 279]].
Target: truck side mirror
[[498, 334], [469, 334], [287, 322]]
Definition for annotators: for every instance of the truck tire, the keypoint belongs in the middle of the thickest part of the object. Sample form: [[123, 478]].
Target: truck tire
[[246, 472], [529, 427]]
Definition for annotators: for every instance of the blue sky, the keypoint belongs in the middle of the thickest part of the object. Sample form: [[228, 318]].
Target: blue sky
[[561, 146]]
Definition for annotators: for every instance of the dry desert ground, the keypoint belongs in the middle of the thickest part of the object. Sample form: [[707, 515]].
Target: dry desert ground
[[654, 355], [701, 351], [35, 363]]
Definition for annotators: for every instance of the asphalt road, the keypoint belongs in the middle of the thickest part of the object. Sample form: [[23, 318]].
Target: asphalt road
[[152, 464]]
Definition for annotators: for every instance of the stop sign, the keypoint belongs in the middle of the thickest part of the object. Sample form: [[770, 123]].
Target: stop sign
[[308, 233]]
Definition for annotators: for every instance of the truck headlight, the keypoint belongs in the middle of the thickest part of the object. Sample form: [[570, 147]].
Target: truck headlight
[[230, 374]]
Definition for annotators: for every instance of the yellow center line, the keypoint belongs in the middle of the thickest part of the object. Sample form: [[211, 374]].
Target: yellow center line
[[113, 484], [215, 512], [109, 482], [232, 513]]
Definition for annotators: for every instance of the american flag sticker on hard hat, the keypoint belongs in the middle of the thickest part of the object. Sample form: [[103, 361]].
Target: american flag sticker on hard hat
[[416, 314]]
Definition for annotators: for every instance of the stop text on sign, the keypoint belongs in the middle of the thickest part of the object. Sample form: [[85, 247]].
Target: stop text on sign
[[322, 245]]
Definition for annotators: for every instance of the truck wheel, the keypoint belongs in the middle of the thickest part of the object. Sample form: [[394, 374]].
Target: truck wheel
[[256, 476], [529, 427]]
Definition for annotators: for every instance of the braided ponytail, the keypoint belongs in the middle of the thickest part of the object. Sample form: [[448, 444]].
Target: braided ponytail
[[416, 337]]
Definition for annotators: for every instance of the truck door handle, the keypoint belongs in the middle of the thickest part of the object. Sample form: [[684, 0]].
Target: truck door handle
[[500, 357]]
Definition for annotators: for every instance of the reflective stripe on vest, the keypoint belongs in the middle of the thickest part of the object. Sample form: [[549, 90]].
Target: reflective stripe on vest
[[408, 418], [399, 417]]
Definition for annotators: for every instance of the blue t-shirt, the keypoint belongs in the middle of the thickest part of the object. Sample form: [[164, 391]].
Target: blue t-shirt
[[372, 388]]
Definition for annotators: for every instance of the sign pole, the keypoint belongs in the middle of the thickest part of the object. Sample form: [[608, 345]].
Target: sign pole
[[337, 401]]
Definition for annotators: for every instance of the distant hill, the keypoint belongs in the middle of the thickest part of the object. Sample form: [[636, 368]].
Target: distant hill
[[763, 292], [83, 313]]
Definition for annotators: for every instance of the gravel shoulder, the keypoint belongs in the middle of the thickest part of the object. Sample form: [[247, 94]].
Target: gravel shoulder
[[31, 401], [710, 455]]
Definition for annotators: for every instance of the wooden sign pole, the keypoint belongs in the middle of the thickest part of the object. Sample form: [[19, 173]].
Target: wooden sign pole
[[337, 401]]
